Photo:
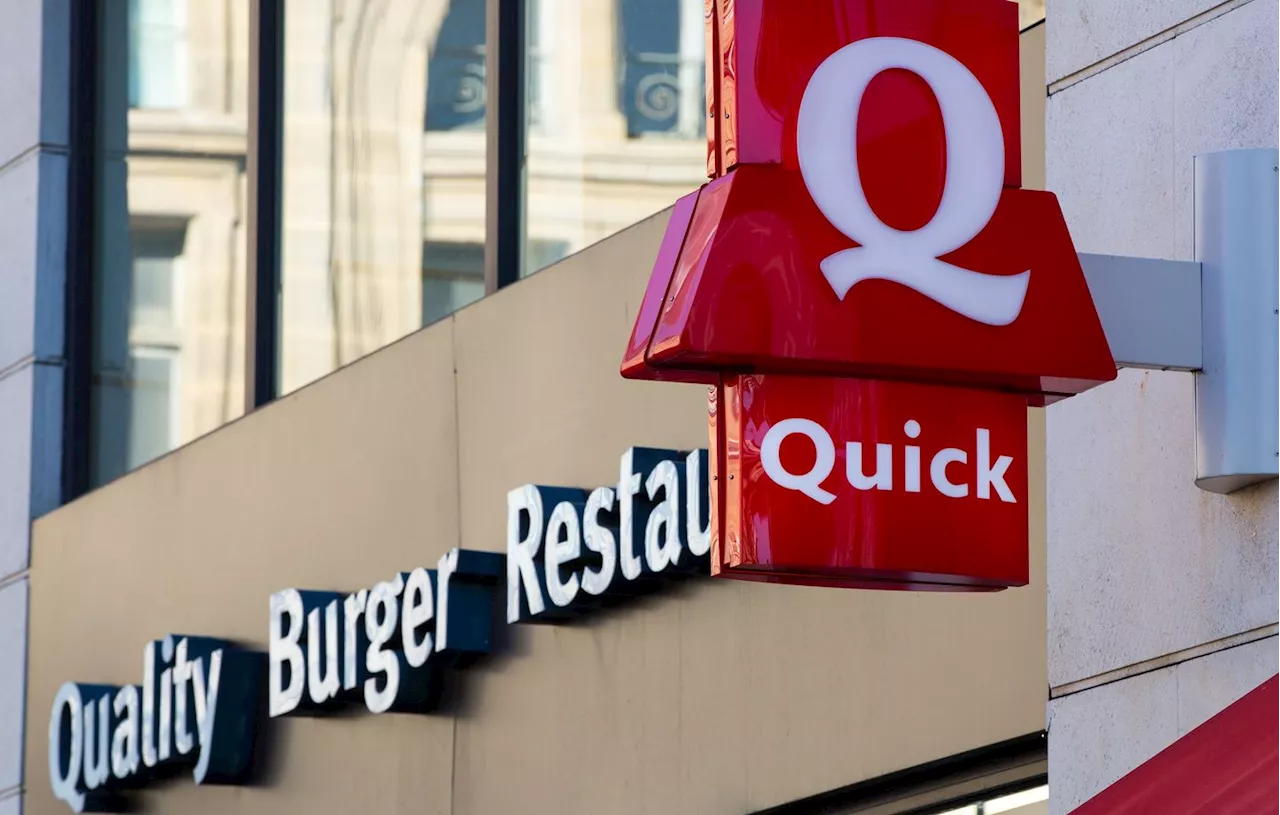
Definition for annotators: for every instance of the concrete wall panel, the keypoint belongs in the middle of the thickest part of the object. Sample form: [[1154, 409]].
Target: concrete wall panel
[[1085, 32], [13, 664], [1098, 736], [1110, 156]]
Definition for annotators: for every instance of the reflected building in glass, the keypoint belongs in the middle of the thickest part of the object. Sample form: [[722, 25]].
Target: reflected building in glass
[[383, 174], [170, 273]]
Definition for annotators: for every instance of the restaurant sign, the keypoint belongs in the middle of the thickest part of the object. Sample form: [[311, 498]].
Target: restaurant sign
[[393, 647], [869, 293]]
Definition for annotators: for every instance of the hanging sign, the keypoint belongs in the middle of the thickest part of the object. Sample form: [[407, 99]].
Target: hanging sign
[[870, 294]]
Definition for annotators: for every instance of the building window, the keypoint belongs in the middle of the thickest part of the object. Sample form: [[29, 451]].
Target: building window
[[663, 87], [384, 155], [158, 53], [602, 78], [452, 277], [456, 94], [169, 226], [1034, 801]]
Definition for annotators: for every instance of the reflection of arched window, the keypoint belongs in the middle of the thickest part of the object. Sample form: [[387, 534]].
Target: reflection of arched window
[[663, 90], [158, 53], [455, 73]]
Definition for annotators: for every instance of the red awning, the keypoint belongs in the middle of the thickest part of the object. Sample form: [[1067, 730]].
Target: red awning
[[1226, 766]]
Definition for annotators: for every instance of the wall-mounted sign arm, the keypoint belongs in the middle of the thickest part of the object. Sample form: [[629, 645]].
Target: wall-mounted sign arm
[[1217, 316], [1150, 310]]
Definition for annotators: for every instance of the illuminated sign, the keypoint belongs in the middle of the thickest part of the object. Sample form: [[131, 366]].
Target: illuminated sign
[[864, 280]]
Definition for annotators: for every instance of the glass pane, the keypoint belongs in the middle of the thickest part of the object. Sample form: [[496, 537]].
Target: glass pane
[[614, 113], [170, 289], [1028, 802], [1033, 801], [384, 160]]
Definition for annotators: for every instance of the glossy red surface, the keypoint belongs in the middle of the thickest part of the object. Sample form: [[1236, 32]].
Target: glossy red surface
[[1227, 766], [634, 365], [749, 294], [712, 44], [770, 48], [738, 296], [881, 538]]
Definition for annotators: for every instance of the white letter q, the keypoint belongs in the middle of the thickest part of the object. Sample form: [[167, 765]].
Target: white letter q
[[809, 483], [826, 141]]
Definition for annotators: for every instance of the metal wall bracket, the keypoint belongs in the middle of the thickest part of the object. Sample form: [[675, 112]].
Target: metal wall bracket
[[1218, 316]]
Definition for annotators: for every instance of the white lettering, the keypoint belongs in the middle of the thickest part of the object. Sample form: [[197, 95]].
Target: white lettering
[[938, 472], [808, 483], [97, 740], [206, 709], [124, 743], [379, 627], [662, 529], [183, 738], [352, 610], [323, 685], [628, 488], [149, 757], [697, 536], [66, 748], [285, 657], [523, 503], [826, 142], [912, 454], [881, 479], [564, 545], [599, 540], [419, 608], [992, 476], [446, 566]]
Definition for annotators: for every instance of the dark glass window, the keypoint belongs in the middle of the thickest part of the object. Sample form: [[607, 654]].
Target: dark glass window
[[172, 127]]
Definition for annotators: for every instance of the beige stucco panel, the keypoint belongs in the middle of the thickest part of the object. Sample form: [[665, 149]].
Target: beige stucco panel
[[540, 399]]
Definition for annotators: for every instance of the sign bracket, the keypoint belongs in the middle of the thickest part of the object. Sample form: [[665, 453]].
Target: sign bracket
[[1215, 317]]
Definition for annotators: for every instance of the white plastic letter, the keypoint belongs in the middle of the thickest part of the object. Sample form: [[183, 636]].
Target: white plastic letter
[[628, 487], [826, 141], [992, 476], [697, 536], [419, 608], [599, 540], [379, 626], [881, 479], [938, 472], [283, 651], [662, 529], [809, 483], [66, 705], [564, 545]]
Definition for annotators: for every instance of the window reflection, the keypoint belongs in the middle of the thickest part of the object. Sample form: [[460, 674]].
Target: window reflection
[[1033, 801], [614, 117], [383, 174], [170, 265]]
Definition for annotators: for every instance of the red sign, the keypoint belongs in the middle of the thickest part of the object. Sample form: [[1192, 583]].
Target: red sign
[[920, 484], [864, 230]]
